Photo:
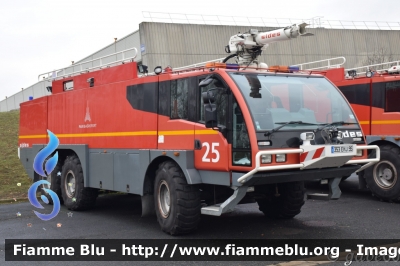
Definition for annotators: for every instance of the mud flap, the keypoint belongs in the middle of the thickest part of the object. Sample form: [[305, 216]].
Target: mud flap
[[148, 208], [334, 191]]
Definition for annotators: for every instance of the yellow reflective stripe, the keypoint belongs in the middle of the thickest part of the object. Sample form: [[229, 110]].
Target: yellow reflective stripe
[[33, 136], [176, 132], [206, 132], [381, 122], [108, 134], [127, 134], [188, 132]]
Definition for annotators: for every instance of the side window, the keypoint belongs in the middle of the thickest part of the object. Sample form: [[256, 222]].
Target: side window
[[221, 100], [68, 85], [392, 97], [179, 98], [240, 141]]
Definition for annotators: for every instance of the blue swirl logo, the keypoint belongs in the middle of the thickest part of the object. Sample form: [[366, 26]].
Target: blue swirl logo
[[48, 167], [32, 198], [43, 154]]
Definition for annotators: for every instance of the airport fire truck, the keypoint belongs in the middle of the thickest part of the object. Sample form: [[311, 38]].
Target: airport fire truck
[[374, 93], [196, 140]]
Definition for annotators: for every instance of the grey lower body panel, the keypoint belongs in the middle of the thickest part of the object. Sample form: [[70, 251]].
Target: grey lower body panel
[[118, 170], [27, 156], [124, 170], [263, 178]]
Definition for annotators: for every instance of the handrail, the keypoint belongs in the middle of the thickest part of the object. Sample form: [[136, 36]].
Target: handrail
[[188, 67], [368, 67], [330, 65], [197, 64], [54, 73], [314, 22]]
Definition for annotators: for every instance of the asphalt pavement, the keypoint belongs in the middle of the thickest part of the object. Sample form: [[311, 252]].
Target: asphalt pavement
[[356, 215]]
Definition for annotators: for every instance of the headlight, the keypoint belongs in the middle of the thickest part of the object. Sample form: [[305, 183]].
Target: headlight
[[307, 136], [280, 158], [266, 158], [264, 143], [359, 153]]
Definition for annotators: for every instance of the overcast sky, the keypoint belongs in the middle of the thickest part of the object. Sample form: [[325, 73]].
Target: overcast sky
[[42, 35]]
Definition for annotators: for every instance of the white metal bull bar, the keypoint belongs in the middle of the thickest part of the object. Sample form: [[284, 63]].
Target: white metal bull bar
[[368, 161], [259, 168]]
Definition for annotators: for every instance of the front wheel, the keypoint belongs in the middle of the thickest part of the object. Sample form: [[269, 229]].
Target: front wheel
[[177, 203], [283, 200], [383, 177], [76, 196]]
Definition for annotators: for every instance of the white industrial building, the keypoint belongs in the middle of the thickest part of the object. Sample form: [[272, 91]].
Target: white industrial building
[[177, 44]]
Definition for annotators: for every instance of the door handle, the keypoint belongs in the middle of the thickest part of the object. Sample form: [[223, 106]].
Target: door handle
[[197, 144]]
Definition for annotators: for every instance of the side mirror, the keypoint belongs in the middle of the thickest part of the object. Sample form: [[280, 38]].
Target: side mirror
[[208, 97], [210, 109], [210, 115], [207, 81]]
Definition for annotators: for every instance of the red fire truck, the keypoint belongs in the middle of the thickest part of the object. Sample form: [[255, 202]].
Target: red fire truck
[[375, 97], [197, 140]]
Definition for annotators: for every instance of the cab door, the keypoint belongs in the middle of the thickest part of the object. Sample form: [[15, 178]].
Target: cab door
[[211, 145]]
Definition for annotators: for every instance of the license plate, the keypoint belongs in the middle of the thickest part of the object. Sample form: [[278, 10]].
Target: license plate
[[342, 149]]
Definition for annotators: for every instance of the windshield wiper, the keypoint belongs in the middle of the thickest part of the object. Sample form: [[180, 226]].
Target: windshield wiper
[[285, 124], [339, 123]]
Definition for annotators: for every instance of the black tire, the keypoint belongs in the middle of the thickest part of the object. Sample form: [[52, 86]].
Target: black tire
[[286, 204], [55, 183], [382, 178], [76, 196], [183, 213]]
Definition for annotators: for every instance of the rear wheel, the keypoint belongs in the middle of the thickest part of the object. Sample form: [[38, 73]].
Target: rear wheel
[[283, 200], [177, 203], [383, 177], [76, 196]]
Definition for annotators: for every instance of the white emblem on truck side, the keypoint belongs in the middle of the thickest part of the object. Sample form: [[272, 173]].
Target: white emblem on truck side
[[351, 134], [87, 118]]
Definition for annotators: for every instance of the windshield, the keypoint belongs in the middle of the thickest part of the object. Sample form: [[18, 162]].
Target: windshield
[[277, 99]]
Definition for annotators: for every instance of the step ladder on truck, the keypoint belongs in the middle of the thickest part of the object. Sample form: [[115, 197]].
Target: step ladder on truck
[[374, 94], [198, 139]]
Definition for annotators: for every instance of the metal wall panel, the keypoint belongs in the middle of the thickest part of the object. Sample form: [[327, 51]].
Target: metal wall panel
[[3, 106], [199, 43], [19, 98], [11, 103], [185, 44]]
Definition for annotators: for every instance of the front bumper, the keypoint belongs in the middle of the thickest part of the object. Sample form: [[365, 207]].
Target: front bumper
[[325, 172], [273, 177]]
